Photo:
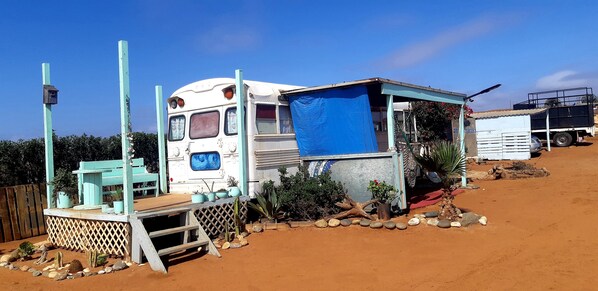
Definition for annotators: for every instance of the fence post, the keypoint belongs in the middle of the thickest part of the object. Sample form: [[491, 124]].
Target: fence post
[[49, 148]]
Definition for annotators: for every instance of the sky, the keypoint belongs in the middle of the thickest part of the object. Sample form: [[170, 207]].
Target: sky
[[460, 46]]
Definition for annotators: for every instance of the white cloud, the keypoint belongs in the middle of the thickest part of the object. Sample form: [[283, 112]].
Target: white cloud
[[561, 79], [229, 39], [422, 51]]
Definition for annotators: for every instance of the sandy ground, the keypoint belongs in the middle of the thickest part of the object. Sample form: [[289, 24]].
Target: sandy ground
[[542, 234]]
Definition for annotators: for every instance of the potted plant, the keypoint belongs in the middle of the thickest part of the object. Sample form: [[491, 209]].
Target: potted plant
[[233, 187], [222, 193], [211, 195], [198, 196], [384, 194], [65, 188], [117, 201]]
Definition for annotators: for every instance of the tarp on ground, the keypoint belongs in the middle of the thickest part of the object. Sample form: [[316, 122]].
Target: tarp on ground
[[333, 122]]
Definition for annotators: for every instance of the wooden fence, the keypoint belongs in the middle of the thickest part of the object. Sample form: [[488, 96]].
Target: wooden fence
[[21, 211]]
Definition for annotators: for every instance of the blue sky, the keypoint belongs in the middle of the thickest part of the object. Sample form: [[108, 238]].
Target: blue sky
[[462, 46]]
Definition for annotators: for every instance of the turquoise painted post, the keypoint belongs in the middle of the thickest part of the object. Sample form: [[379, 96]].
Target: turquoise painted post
[[49, 147], [397, 158], [125, 125], [161, 141], [241, 134], [462, 141], [548, 129]]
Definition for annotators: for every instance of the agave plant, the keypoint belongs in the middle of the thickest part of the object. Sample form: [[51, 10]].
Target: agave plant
[[268, 205], [445, 159]]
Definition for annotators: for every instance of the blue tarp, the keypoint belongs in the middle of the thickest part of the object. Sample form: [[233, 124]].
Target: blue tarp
[[333, 122]]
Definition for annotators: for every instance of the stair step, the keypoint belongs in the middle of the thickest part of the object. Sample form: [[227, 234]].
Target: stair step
[[182, 247], [168, 231]]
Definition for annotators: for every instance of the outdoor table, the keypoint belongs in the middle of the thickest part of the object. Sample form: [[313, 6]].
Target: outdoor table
[[92, 186]]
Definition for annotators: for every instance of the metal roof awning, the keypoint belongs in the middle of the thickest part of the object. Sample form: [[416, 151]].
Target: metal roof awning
[[503, 113], [379, 87]]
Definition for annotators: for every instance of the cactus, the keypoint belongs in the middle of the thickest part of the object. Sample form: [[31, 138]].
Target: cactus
[[92, 259], [226, 232], [58, 260], [237, 216]]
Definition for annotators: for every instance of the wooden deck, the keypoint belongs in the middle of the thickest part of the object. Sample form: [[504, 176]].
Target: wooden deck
[[142, 206]]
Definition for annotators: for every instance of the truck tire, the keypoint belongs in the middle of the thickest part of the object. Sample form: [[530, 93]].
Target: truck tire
[[562, 139]]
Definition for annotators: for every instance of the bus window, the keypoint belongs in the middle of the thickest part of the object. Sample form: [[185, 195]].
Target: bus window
[[265, 118], [205, 124], [230, 121], [286, 122], [176, 128]]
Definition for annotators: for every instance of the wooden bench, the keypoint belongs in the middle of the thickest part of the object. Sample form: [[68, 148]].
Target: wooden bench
[[112, 175]]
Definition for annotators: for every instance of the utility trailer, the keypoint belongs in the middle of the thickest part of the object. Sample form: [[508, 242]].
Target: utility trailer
[[570, 113]]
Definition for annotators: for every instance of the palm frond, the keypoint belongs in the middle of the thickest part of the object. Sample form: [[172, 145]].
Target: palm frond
[[444, 158]]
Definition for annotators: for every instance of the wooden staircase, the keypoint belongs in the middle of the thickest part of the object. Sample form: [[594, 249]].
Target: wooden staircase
[[192, 236]]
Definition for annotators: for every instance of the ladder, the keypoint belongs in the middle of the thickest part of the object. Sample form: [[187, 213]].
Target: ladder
[[193, 237]]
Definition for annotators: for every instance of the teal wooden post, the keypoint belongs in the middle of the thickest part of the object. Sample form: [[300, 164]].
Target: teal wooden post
[[241, 134], [49, 148], [125, 124], [161, 141], [397, 158], [462, 141]]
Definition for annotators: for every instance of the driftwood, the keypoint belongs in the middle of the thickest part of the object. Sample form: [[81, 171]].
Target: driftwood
[[518, 170], [43, 258], [353, 208]]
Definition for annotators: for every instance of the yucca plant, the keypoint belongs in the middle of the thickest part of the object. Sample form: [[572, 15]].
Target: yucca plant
[[268, 205], [445, 159]]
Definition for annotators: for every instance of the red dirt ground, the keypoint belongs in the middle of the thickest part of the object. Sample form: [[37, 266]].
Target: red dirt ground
[[542, 234]]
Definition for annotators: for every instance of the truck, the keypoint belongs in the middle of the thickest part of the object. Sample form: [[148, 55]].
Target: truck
[[570, 114]]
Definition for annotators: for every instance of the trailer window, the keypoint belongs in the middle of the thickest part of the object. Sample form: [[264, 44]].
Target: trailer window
[[203, 125], [265, 118], [286, 122], [230, 121], [176, 128]]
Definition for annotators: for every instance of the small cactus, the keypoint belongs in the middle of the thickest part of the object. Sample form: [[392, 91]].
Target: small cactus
[[58, 260], [92, 258]]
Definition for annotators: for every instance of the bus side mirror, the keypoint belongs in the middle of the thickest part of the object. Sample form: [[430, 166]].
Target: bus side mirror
[[50, 94]]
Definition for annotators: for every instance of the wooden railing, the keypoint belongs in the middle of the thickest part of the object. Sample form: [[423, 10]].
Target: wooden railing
[[21, 211]]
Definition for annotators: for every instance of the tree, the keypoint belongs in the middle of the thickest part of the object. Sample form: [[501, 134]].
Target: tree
[[445, 159], [434, 119]]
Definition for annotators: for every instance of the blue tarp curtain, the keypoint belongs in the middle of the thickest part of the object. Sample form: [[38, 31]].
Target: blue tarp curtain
[[333, 122]]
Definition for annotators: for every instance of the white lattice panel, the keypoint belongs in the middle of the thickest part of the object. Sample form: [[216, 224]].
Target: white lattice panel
[[107, 237], [214, 218]]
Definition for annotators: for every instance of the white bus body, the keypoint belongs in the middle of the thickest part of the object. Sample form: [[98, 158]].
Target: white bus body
[[202, 139]]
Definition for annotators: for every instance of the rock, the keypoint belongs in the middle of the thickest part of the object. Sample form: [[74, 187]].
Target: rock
[[244, 234], [235, 245], [88, 274], [455, 224], [431, 214], [86, 270], [24, 268], [444, 223], [129, 264], [401, 225], [70, 277], [52, 274], [346, 222], [3, 264], [61, 276], [419, 216], [45, 273], [13, 267], [365, 222], [334, 222], [4, 259], [78, 275], [100, 272], [321, 223], [75, 266], [483, 220], [225, 246], [243, 242], [376, 224], [469, 218], [432, 221], [31, 270], [119, 265], [36, 273], [355, 221], [46, 268], [257, 228], [413, 221], [390, 225]]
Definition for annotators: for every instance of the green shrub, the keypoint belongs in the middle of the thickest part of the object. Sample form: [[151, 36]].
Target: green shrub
[[307, 198]]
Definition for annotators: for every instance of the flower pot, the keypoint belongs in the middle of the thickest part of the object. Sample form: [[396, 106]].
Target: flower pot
[[63, 200], [234, 191], [211, 196], [383, 211], [222, 194], [198, 198], [119, 206]]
